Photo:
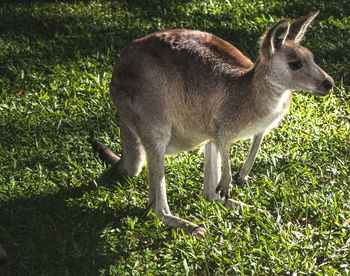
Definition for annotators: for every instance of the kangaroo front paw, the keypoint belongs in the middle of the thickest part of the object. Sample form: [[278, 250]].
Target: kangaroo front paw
[[229, 203], [240, 180], [224, 190]]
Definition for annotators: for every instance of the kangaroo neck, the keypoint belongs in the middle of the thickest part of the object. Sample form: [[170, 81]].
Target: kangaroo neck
[[262, 84], [266, 97]]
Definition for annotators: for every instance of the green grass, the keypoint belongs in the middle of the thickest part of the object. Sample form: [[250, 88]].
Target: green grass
[[63, 213]]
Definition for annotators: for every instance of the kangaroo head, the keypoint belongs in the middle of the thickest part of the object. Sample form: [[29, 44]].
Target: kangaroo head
[[290, 65]]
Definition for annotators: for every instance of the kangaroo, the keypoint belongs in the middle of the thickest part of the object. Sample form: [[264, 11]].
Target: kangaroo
[[176, 89]]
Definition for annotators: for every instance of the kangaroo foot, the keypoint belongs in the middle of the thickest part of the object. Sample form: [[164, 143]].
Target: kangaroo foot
[[187, 226]]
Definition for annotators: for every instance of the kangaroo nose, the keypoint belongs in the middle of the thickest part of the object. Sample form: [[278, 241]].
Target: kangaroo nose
[[327, 85]]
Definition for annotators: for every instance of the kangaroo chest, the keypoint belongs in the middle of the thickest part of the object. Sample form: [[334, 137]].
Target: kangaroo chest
[[264, 121]]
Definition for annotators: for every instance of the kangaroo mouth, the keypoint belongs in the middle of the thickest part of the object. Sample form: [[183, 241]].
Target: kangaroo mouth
[[321, 93]]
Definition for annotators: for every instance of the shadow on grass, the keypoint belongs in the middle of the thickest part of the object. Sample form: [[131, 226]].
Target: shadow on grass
[[48, 232], [82, 35]]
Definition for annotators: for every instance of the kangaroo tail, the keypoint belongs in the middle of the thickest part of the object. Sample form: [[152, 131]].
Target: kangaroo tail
[[104, 152]]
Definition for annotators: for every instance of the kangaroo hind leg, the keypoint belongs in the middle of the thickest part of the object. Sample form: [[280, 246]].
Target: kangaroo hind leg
[[133, 154], [155, 148]]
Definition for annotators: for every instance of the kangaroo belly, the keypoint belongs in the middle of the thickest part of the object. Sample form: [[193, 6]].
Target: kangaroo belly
[[177, 145], [183, 139]]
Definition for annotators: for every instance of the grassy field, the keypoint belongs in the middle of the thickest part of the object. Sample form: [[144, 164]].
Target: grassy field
[[62, 212]]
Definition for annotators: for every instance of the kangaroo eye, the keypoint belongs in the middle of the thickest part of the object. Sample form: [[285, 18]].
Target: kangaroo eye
[[295, 65]]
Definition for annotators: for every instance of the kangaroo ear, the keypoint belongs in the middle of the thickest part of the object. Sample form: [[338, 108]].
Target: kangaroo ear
[[274, 39], [299, 26]]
